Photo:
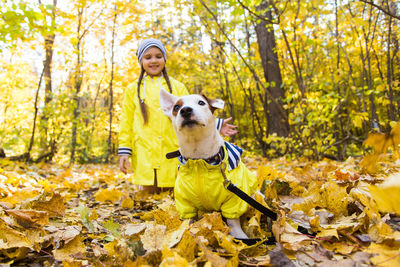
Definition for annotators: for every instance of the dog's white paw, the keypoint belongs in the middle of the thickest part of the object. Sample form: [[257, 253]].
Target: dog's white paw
[[236, 229]]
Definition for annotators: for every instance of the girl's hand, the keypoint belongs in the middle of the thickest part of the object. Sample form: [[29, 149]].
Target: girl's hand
[[124, 164], [228, 129]]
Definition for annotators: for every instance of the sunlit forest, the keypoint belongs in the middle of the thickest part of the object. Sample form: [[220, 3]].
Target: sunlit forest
[[299, 78], [313, 86]]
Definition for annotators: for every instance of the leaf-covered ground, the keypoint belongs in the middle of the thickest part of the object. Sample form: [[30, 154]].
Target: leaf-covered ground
[[92, 215]]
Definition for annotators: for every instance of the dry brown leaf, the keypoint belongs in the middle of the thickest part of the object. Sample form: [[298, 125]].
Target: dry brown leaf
[[10, 238], [134, 229], [292, 239], [211, 257], [29, 218], [385, 255], [60, 236], [187, 247], [71, 250], [153, 237], [207, 225], [174, 237], [54, 207]]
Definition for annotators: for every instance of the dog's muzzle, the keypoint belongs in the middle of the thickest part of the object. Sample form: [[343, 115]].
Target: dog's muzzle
[[186, 113]]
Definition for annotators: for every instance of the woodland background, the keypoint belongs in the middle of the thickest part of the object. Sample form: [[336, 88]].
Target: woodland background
[[309, 78], [314, 87]]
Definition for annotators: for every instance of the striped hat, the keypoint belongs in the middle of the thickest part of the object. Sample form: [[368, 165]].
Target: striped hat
[[146, 44]]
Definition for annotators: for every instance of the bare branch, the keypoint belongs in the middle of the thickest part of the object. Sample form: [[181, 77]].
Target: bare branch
[[387, 12], [281, 111], [255, 14]]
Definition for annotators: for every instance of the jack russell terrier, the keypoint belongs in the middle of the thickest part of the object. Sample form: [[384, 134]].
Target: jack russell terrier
[[200, 181]]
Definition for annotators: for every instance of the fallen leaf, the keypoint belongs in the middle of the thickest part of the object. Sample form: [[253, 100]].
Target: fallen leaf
[[29, 218], [108, 194], [173, 259], [54, 207], [153, 237], [385, 255], [387, 194], [175, 236], [75, 247], [134, 229]]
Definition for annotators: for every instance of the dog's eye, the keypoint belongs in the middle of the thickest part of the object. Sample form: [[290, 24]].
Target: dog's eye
[[176, 108], [201, 103]]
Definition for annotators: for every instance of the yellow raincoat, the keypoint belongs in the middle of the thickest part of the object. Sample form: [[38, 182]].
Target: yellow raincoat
[[151, 142], [199, 186]]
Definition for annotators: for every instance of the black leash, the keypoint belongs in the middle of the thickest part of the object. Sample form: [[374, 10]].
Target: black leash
[[255, 204], [245, 197], [251, 201], [248, 199]]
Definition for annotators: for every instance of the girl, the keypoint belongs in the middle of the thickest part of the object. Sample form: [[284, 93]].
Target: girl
[[146, 134]]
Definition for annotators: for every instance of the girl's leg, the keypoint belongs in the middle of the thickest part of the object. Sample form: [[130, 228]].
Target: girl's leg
[[154, 189]]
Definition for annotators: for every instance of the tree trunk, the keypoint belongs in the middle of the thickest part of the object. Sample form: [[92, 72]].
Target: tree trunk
[[28, 152], [276, 123], [391, 114], [77, 87], [48, 46], [109, 150]]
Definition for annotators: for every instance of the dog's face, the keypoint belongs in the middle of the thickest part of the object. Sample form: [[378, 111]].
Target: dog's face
[[189, 112]]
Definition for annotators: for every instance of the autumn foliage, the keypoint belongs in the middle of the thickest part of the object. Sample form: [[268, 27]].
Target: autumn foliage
[[313, 86], [93, 215]]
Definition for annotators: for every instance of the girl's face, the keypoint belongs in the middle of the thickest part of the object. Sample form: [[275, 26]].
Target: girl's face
[[153, 61]]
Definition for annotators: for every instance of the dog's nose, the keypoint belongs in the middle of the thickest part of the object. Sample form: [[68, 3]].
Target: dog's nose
[[186, 112]]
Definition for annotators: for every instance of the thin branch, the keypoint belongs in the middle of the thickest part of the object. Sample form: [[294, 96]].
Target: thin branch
[[281, 111], [257, 15], [387, 12]]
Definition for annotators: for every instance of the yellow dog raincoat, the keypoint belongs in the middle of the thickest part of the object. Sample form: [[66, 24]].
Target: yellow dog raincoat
[[199, 186]]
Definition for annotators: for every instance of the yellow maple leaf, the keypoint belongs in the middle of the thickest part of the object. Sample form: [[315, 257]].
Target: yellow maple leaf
[[378, 141], [207, 225], [385, 254], [108, 194], [69, 250], [173, 259], [387, 194], [187, 247], [16, 254], [127, 203], [112, 247], [226, 242], [331, 232], [55, 206], [369, 163], [175, 236], [381, 232]]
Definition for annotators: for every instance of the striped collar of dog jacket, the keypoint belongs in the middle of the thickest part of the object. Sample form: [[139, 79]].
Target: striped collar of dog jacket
[[234, 153]]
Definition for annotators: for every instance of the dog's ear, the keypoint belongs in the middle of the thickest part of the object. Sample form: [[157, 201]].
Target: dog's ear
[[215, 103], [167, 101]]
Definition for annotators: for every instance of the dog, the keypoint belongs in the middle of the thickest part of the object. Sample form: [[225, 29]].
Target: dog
[[199, 185]]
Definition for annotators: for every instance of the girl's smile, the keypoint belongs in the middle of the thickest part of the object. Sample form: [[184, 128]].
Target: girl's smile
[[153, 62]]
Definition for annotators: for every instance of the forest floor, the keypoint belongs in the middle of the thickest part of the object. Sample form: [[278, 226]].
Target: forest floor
[[92, 215]]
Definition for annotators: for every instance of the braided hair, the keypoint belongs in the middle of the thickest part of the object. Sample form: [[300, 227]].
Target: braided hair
[[142, 104]]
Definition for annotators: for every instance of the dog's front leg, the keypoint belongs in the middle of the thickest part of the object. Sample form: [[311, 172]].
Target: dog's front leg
[[236, 229]]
